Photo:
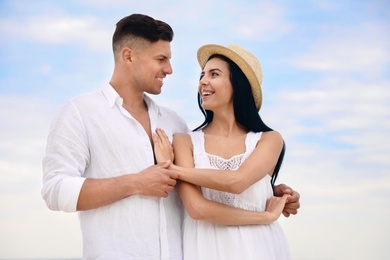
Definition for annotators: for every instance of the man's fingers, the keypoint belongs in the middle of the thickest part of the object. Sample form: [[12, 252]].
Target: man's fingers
[[289, 210], [170, 188], [293, 212], [173, 174], [172, 182], [293, 205]]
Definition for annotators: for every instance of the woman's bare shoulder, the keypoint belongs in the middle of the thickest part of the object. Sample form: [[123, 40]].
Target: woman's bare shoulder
[[270, 137], [182, 138]]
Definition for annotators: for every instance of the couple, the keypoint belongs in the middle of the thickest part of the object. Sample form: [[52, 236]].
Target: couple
[[100, 159]]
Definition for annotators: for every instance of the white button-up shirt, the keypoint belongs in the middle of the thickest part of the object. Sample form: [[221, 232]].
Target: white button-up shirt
[[93, 136]]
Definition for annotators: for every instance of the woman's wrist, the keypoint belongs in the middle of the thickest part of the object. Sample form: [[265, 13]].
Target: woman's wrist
[[180, 170], [268, 218], [175, 168]]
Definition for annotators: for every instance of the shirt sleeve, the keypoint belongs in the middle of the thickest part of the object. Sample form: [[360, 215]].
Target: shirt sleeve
[[183, 126], [67, 156]]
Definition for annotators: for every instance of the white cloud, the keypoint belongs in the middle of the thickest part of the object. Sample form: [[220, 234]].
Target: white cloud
[[363, 49], [342, 204], [25, 122], [87, 31], [92, 32], [356, 102], [39, 233], [344, 112], [259, 21], [24, 218]]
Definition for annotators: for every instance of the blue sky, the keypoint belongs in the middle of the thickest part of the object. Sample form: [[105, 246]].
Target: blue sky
[[326, 88]]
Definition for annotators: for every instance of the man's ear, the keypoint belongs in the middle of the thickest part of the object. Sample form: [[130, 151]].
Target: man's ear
[[127, 54]]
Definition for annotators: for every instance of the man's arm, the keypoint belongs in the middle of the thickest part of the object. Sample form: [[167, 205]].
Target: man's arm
[[155, 180], [68, 156]]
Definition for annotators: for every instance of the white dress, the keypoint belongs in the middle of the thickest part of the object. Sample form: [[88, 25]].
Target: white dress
[[205, 240]]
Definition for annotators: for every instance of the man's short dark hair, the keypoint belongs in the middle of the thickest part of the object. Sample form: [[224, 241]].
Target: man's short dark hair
[[140, 26]]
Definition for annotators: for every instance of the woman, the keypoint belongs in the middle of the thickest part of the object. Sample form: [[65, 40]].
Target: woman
[[229, 164]]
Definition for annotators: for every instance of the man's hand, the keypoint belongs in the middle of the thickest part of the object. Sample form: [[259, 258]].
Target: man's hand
[[157, 180], [292, 203]]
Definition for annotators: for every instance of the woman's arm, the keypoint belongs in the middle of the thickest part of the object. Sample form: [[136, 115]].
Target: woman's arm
[[164, 153], [200, 208], [252, 169]]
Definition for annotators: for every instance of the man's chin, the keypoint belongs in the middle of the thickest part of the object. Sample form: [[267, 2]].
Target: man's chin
[[155, 92]]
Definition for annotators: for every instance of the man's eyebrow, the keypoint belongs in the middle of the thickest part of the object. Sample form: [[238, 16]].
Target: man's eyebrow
[[162, 56]]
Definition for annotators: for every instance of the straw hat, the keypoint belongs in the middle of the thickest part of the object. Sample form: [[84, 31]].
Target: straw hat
[[244, 59]]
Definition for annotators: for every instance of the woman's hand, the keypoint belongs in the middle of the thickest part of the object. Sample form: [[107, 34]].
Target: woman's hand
[[162, 147], [275, 206]]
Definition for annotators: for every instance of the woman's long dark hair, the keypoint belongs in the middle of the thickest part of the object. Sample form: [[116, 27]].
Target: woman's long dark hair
[[244, 107]]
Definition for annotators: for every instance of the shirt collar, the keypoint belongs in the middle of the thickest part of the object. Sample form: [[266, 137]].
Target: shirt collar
[[113, 97], [151, 104]]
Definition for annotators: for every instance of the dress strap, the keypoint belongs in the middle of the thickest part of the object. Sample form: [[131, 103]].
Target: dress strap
[[197, 139], [251, 140]]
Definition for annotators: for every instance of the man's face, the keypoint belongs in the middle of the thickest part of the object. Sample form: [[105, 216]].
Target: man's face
[[151, 64]]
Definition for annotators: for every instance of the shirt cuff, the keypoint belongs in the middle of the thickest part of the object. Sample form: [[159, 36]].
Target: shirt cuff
[[69, 193]]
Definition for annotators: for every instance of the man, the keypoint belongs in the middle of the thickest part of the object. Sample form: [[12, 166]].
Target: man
[[100, 160]]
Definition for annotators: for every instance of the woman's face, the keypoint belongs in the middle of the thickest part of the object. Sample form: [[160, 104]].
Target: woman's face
[[215, 87]]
